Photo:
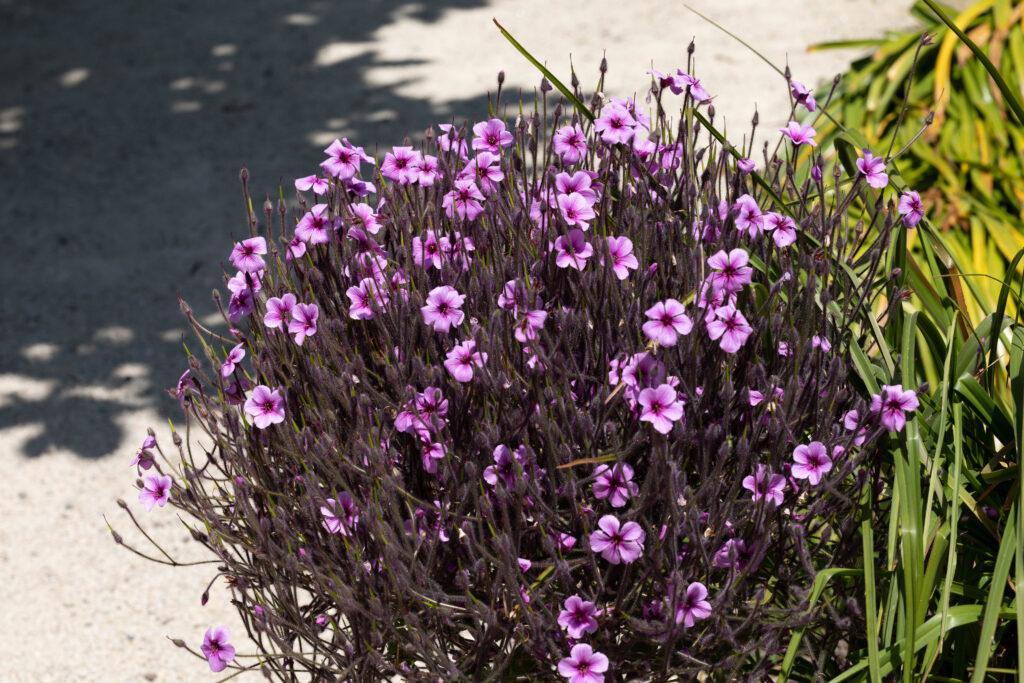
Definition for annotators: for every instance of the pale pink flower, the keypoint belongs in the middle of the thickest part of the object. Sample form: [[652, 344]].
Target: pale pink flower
[[660, 407], [442, 309], [812, 461], [800, 135], [668, 321], [155, 491], [618, 542], [873, 168]]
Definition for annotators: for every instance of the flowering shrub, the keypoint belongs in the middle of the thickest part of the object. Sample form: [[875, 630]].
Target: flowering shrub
[[559, 398]]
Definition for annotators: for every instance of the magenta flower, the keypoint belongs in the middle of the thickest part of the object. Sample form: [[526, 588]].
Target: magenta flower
[[570, 142], [491, 136], [575, 209], [583, 665], [235, 356], [463, 201], [265, 407], [615, 483], [615, 125], [246, 255], [668, 320], [693, 605], [684, 81], [873, 168], [783, 228], [318, 185], [315, 226], [143, 457], [426, 170], [764, 485], [462, 358], [504, 466], [155, 491], [296, 249], [892, 405], [400, 165], [365, 215], [660, 407], [800, 135], [580, 182], [344, 160], [485, 169], [911, 208], [303, 323], [821, 343], [217, 649], [812, 461], [279, 310], [349, 514], [802, 95], [426, 250], [729, 325], [748, 215], [451, 140], [527, 327], [731, 270], [732, 553], [578, 617], [617, 542], [573, 250], [745, 165], [623, 261], [442, 308]]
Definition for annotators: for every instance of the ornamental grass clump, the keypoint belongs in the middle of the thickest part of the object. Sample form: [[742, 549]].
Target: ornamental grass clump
[[558, 397]]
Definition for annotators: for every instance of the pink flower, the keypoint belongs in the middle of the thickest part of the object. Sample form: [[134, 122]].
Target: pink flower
[[344, 159], [155, 491], [583, 665], [570, 142], [504, 466], [279, 310], [617, 542], [319, 185], [802, 95], [491, 136], [911, 208], [660, 407], [442, 308], [668, 320], [367, 292], [296, 249], [426, 170], [216, 648], [745, 165], [485, 169], [891, 404], [623, 261], [575, 209], [578, 617], [873, 168], [684, 81], [615, 125], [812, 461], [783, 228], [426, 251], [364, 214], [314, 227], [235, 356], [461, 360], [573, 251], [748, 215], [246, 255], [303, 323], [729, 325], [350, 514], [143, 458], [401, 165], [764, 486], [731, 270], [580, 182], [463, 201], [450, 139], [616, 484], [821, 343], [693, 605], [800, 135], [526, 328], [265, 407]]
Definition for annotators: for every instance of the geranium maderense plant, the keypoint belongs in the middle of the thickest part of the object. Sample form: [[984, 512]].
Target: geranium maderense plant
[[558, 398]]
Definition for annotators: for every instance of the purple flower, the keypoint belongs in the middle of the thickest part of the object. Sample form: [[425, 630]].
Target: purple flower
[[246, 255], [365, 215], [442, 308], [578, 617], [319, 185], [764, 486], [570, 142], [733, 553], [315, 226], [279, 310], [486, 170], [367, 292], [143, 458], [748, 215], [684, 81], [660, 407], [155, 491], [504, 466], [812, 461], [427, 170], [911, 208], [491, 136], [873, 168], [576, 210], [615, 483], [450, 139], [529, 324], [344, 159], [265, 407], [303, 323], [668, 320], [617, 542], [783, 228], [621, 249], [693, 605], [349, 518], [731, 270], [235, 356], [892, 405], [802, 95], [745, 165], [583, 665], [400, 165], [463, 201], [462, 358], [216, 648], [729, 325], [821, 343], [573, 251], [615, 125], [800, 135]]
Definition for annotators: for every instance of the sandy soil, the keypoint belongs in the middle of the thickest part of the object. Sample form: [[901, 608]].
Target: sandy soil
[[122, 130]]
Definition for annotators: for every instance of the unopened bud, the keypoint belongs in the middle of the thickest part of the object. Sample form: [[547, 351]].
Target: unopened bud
[[243, 175], [205, 599], [268, 206], [501, 77], [117, 537], [178, 642], [691, 48], [756, 118], [175, 438], [557, 113], [121, 504], [574, 80], [604, 65], [545, 86], [788, 73]]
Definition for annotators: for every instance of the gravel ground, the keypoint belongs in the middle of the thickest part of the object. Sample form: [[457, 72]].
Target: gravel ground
[[122, 129]]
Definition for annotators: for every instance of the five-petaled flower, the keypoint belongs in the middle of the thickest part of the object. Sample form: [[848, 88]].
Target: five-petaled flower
[[911, 208], [442, 308], [873, 168], [618, 542], [615, 125], [345, 523], [570, 142], [765, 485], [155, 491], [246, 254], [615, 483], [623, 260], [303, 322], [265, 407], [461, 360], [583, 665], [802, 95], [217, 649], [811, 462], [693, 605], [891, 405], [578, 617], [660, 407], [279, 310], [491, 136], [731, 327], [800, 135], [573, 250], [667, 321]]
